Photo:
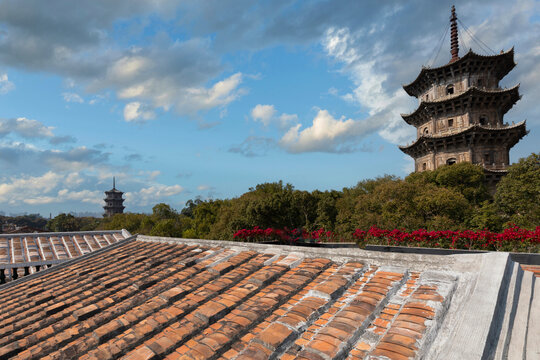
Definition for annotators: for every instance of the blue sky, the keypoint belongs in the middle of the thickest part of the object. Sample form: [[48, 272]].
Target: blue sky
[[209, 98]]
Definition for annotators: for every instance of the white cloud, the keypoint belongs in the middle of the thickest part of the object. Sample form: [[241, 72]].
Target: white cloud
[[203, 187], [63, 195], [327, 134], [152, 194], [165, 72], [267, 114], [24, 127], [135, 111], [195, 99], [34, 176], [150, 175], [263, 113], [5, 85], [131, 92], [87, 196], [253, 146], [32, 129], [74, 159], [128, 68], [74, 179], [18, 189], [166, 94], [286, 120], [333, 91], [383, 107], [72, 97]]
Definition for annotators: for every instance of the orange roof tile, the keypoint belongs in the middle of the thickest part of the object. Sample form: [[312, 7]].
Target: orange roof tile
[[209, 300]]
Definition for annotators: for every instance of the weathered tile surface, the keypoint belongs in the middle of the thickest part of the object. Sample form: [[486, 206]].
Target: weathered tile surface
[[155, 300], [25, 254]]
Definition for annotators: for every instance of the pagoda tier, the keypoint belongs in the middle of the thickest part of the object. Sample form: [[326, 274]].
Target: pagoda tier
[[473, 136], [473, 98], [471, 63], [118, 209], [114, 203]]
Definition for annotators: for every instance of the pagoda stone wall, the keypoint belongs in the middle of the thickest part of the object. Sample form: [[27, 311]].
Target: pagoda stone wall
[[442, 127], [449, 124], [439, 91], [490, 156], [435, 160]]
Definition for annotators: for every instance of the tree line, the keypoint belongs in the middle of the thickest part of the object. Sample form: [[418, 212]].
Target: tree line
[[452, 197]]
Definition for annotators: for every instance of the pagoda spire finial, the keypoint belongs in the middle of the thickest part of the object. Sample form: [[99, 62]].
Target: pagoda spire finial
[[113, 183], [454, 42]]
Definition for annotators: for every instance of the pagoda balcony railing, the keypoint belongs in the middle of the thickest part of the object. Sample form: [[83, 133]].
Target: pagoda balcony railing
[[492, 166], [449, 96], [456, 130]]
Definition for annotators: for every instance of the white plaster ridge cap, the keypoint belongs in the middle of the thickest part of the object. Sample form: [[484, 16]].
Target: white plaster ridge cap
[[468, 321]]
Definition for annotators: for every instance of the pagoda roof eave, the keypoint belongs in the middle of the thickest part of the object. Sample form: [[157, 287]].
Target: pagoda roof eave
[[114, 191], [409, 118], [423, 139], [507, 56]]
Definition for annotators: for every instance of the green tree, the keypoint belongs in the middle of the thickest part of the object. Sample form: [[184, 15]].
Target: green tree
[[168, 228], [390, 202], [304, 208], [64, 222], [134, 223], [190, 207], [326, 209], [487, 217], [163, 211], [204, 218], [466, 178], [271, 205], [31, 220], [518, 193]]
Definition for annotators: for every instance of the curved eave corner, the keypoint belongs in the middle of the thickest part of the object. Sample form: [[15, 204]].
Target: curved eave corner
[[468, 92], [422, 138], [409, 88]]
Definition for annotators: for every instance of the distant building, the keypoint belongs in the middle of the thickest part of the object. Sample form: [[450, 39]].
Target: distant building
[[8, 227], [460, 116], [114, 203], [24, 230]]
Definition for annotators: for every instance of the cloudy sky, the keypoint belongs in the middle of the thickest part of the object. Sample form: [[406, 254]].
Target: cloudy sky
[[208, 98]]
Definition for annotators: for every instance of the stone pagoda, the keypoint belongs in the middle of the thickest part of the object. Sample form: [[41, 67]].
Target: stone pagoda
[[114, 203], [461, 110]]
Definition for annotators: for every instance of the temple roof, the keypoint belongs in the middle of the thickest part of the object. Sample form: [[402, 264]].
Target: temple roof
[[471, 62], [472, 97], [472, 134], [37, 249], [155, 298]]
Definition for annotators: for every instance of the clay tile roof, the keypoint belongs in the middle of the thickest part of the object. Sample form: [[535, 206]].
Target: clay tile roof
[[29, 250], [160, 298]]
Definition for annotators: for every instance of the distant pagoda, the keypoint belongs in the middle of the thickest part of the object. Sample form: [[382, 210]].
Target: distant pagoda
[[460, 116], [114, 203]]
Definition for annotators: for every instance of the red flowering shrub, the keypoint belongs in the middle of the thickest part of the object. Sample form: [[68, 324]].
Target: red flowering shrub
[[512, 239]]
